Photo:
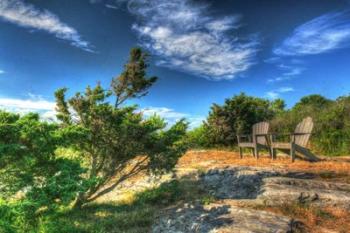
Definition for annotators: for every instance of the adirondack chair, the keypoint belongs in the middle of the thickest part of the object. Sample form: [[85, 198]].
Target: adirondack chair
[[298, 140], [256, 141]]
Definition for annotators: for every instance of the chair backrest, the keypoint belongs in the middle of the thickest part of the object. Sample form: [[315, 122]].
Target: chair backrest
[[305, 126], [261, 128]]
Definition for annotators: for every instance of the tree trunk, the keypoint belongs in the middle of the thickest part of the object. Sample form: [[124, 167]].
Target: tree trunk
[[80, 201]]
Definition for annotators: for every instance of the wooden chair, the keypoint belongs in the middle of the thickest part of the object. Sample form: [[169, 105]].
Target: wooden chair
[[298, 140], [257, 140]]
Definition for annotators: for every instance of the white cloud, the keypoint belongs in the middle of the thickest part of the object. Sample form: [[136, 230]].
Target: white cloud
[[289, 72], [285, 89], [45, 108], [112, 6], [325, 33], [274, 94], [278, 79], [163, 112], [171, 116], [293, 71], [2, 71], [28, 16], [185, 37]]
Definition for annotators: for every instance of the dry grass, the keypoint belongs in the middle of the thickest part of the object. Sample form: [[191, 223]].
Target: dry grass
[[314, 219], [326, 169]]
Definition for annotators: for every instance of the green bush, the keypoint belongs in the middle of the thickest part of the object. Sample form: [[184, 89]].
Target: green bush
[[236, 116], [331, 134], [198, 137]]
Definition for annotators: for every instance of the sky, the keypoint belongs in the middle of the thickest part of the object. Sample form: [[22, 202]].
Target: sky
[[202, 51]]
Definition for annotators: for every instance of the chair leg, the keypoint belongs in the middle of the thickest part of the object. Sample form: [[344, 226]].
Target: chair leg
[[240, 152], [292, 152], [270, 152], [256, 149], [254, 155], [274, 153]]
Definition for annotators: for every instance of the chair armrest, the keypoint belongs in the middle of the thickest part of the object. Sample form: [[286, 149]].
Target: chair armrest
[[274, 135], [262, 134], [301, 134], [244, 136], [279, 134]]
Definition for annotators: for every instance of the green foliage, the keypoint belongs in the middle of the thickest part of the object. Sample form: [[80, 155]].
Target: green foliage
[[45, 166], [32, 178], [132, 83], [27, 153], [278, 106], [331, 134], [134, 217], [236, 116], [110, 136], [313, 101], [166, 193], [62, 187], [17, 216], [198, 137]]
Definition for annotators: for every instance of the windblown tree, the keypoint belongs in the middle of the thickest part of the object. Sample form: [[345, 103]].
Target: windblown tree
[[111, 136], [132, 82]]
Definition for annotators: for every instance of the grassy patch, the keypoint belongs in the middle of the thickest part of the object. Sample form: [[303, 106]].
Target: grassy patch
[[134, 217]]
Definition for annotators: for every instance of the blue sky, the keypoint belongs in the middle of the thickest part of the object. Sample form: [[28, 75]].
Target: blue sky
[[202, 51]]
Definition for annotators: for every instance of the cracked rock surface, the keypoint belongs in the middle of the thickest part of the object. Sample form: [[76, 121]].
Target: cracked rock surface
[[257, 185], [220, 218]]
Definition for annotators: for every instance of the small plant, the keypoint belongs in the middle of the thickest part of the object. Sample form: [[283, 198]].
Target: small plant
[[207, 199]]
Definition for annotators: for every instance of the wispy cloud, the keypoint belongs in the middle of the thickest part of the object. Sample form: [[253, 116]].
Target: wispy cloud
[[111, 6], [274, 94], [28, 16], [2, 71], [171, 116], [185, 37], [325, 33], [34, 103], [288, 72]]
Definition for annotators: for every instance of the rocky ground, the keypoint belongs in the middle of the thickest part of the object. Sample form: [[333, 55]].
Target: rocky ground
[[235, 186], [244, 193]]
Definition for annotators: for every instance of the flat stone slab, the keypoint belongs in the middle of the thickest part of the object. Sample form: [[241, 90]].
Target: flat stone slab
[[276, 190], [215, 218], [274, 187]]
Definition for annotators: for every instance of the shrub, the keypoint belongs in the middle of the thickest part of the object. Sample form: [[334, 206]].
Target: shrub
[[331, 134], [236, 116], [198, 137]]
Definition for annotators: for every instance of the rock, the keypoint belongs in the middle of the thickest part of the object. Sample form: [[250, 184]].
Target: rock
[[216, 218], [281, 189], [234, 183], [240, 186], [274, 187]]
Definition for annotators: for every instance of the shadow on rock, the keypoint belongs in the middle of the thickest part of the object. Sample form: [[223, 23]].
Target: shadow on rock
[[193, 218], [234, 183]]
